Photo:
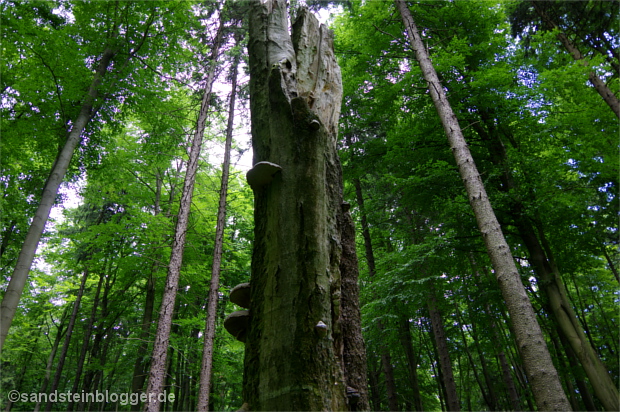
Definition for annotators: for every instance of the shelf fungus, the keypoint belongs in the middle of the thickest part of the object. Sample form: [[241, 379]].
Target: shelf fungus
[[237, 324], [262, 174], [240, 295], [321, 329]]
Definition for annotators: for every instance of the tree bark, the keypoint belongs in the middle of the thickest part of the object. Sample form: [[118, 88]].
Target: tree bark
[[550, 279], [26, 255], [50, 359], [541, 372], [139, 370], [412, 361], [452, 399], [160, 347], [65, 346], [294, 346], [213, 295], [85, 343]]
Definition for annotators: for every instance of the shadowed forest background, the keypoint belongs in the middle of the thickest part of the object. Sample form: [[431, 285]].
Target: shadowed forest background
[[534, 86]]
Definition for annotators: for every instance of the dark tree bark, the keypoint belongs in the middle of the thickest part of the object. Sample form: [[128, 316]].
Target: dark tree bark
[[85, 343], [412, 361], [50, 359], [452, 399], [213, 295], [539, 367], [294, 347], [65, 346]]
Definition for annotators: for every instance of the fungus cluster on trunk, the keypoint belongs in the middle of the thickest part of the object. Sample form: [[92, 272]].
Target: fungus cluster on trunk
[[237, 322]]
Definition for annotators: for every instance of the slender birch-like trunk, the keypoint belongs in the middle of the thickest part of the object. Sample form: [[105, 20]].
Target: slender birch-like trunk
[[24, 261], [209, 335], [543, 377], [159, 356]]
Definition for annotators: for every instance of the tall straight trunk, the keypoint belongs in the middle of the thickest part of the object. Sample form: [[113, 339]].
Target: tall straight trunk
[[539, 367], [26, 255], [294, 344], [354, 349], [599, 85], [50, 359], [404, 333], [452, 399], [139, 369], [549, 277], [65, 346], [213, 295], [386, 361], [160, 346], [85, 343]]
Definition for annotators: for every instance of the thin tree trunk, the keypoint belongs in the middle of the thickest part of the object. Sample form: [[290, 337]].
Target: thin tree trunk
[[354, 349], [293, 358], [139, 370], [26, 255], [550, 280], [599, 85], [65, 346], [213, 294], [452, 400], [386, 362], [412, 361], [162, 336], [86, 342], [50, 359], [541, 372]]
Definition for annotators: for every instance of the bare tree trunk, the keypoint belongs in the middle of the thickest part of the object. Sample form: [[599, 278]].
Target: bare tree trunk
[[412, 361], [85, 343], [139, 370], [26, 255], [213, 295], [549, 277], [452, 399], [294, 345], [160, 347], [65, 346], [541, 372], [50, 359]]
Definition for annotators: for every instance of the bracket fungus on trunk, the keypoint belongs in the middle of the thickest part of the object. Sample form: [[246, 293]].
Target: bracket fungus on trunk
[[240, 295], [237, 324], [262, 174]]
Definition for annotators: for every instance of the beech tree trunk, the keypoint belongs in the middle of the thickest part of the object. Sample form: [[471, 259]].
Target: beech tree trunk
[[543, 376], [549, 278], [26, 255], [452, 399], [213, 295], [160, 346], [294, 347]]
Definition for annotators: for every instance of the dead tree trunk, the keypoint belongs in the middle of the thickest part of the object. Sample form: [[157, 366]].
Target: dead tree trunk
[[294, 345]]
